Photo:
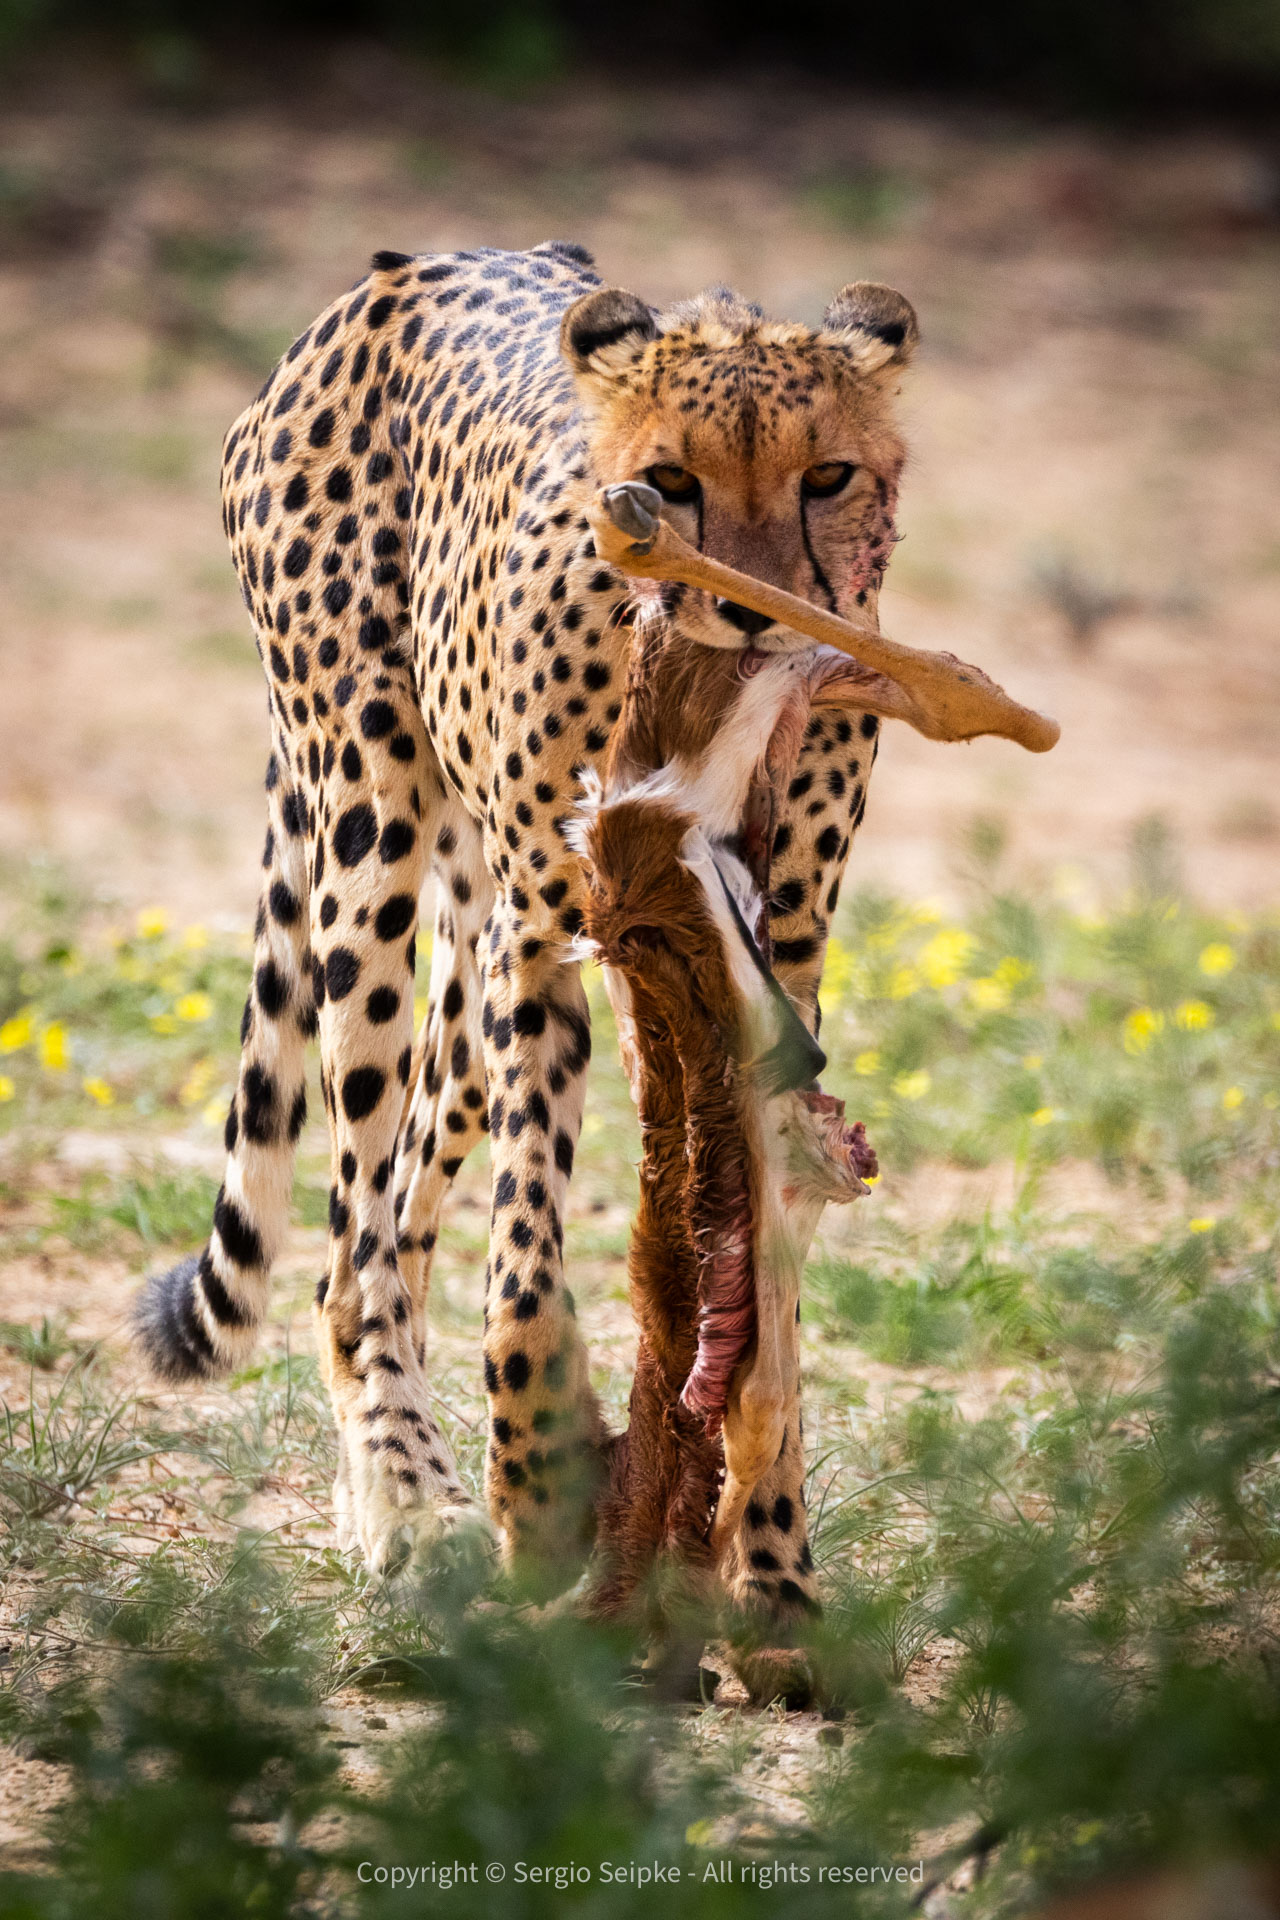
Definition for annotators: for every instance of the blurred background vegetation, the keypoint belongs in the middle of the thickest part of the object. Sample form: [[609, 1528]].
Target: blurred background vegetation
[[1042, 1360], [1110, 57]]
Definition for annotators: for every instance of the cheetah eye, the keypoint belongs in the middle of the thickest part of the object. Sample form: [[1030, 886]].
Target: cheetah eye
[[675, 483], [816, 483]]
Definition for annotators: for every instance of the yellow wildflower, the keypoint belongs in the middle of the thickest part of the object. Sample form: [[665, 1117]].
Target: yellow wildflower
[[1203, 1223], [196, 1086], [163, 1023], [99, 1091], [1233, 1098], [912, 1086], [130, 968], [194, 1006], [53, 1047], [867, 1063], [988, 995], [903, 982], [152, 923], [214, 1114], [871, 1179], [420, 1005], [1141, 1028], [942, 959], [1033, 1062], [1011, 971], [7, 1088], [1193, 1016], [17, 1032], [1044, 1116], [194, 938], [592, 1125], [1217, 957]]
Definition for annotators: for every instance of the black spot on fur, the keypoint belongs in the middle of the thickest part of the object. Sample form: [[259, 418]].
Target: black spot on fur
[[395, 916], [355, 835], [361, 1091]]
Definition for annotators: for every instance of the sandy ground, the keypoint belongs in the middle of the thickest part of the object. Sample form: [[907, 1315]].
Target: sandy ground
[[1097, 388]]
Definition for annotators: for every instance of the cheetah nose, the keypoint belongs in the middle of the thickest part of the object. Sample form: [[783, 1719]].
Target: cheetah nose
[[743, 618]]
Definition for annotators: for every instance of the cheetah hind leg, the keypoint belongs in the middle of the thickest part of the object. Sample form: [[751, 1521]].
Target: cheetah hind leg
[[448, 1548], [400, 1499]]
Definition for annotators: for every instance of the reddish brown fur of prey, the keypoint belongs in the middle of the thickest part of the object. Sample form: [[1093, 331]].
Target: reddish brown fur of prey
[[649, 919], [690, 1258], [698, 1414]]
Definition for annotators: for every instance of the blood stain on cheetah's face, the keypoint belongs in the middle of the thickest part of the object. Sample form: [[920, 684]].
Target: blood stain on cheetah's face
[[773, 445]]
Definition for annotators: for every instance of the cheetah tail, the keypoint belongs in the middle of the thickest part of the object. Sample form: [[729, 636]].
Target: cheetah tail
[[202, 1316]]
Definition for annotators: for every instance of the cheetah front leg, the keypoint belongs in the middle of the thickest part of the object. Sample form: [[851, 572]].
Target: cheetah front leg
[[546, 1431]]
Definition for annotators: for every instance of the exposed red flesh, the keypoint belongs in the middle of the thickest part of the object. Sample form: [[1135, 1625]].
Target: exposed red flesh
[[844, 1143], [726, 1323]]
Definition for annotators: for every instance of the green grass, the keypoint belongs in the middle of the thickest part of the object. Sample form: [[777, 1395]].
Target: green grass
[[37, 1346], [1044, 1438]]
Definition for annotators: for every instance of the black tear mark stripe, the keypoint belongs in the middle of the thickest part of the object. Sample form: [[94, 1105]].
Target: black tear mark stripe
[[818, 574]]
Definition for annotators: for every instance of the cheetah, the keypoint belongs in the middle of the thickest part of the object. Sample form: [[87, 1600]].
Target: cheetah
[[445, 652]]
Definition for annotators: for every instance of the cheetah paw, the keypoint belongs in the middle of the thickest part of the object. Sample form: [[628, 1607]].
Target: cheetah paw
[[442, 1545]]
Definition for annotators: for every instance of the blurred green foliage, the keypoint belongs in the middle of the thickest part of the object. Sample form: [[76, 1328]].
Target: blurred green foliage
[[1090, 52], [1088, 1575]]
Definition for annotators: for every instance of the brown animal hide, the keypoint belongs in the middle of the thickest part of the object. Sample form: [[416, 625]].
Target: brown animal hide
[[740, 1148]]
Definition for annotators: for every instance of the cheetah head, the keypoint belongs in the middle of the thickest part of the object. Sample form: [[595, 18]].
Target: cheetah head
[[774, 446]]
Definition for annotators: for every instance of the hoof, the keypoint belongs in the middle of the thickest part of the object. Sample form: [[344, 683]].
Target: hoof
[[674, 1673], [772, 1674]]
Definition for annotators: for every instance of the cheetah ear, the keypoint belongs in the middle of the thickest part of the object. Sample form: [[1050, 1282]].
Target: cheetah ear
[[602, 333], [877, 323]]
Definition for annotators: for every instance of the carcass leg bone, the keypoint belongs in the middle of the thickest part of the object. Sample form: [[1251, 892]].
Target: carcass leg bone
[[940, 696]]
